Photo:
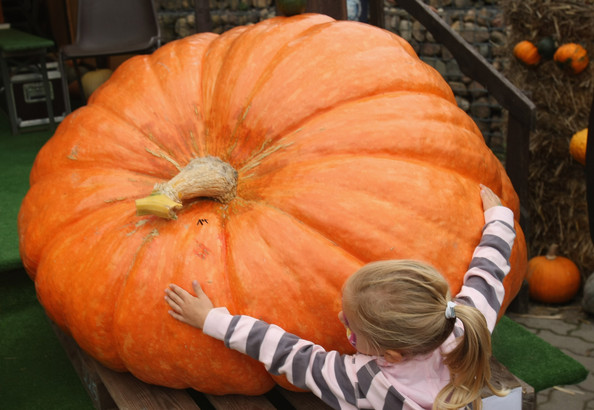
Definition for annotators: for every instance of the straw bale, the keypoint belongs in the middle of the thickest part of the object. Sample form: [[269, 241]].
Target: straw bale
[[557, 185]]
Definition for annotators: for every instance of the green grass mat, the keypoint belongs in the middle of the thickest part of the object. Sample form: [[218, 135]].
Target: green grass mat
[[35, 372], [532, 359], [17, 153]]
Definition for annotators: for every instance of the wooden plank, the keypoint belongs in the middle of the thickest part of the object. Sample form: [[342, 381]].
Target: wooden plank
[[112, 390], [130, 393], [517, 162], [590, 170], [501, 376], [376, 13], [203, 20], [237, 402], [336, 9], [303, 400]]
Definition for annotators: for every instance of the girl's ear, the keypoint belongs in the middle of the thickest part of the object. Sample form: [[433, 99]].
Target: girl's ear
[[393, 356]]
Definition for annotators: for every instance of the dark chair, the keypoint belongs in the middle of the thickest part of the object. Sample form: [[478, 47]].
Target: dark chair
[[108, 28]]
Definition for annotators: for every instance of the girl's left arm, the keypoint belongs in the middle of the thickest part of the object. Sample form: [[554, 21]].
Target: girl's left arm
[[306, 365]]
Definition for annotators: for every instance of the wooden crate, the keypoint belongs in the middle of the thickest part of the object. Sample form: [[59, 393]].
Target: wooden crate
[[112, 390]]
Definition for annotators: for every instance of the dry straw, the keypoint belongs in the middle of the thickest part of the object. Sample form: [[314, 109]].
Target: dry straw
[[557, 204]]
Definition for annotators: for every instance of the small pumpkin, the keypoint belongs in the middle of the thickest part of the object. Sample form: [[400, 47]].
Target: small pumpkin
[[527, 52], [93, 79], [578, 144], [572, 58], [553, 278]]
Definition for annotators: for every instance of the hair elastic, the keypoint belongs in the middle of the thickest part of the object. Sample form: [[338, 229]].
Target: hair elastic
[[450, 313]]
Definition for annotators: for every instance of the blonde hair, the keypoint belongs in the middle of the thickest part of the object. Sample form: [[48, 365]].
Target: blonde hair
[[400, 305]]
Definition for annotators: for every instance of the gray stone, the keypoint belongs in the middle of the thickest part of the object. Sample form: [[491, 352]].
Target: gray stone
[[405, 29], [418, 31], [498, 38], [459, 88], [430, 49]]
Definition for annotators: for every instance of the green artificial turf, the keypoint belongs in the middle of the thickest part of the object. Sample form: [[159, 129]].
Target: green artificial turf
[[17, 153], [35, 372], [532, 359]]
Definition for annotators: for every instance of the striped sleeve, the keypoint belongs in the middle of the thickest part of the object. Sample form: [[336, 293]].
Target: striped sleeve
[[483, 282], [343, 382]]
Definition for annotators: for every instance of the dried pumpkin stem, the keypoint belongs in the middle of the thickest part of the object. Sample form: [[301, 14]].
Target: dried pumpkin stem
[[206, 177], [552, 252]]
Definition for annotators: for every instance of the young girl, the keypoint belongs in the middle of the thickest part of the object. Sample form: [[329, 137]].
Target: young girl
[[416, 348]]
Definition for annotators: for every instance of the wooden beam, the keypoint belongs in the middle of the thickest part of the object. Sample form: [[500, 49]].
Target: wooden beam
[[376, 13], [203, 22], [590, 170], [517, 162], [336, 9]]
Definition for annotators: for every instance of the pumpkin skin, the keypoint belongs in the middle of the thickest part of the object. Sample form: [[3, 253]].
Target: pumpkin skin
[[553, 278], [578, 145], [527, 53], [572, 58], [348, 149]]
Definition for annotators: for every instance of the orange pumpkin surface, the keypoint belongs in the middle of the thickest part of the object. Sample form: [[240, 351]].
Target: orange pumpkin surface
[[527, 52], [347, 148], [572, 57], [553, 278]]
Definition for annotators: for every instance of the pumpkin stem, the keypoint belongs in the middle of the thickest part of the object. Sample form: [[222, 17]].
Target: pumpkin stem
[[206, 177], [552, 252]]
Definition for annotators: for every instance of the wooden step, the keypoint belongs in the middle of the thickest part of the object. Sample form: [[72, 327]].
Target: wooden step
[[110, 390]]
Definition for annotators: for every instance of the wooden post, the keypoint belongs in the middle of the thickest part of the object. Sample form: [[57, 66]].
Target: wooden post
[[203, 21], [336, 9], [590, 171]]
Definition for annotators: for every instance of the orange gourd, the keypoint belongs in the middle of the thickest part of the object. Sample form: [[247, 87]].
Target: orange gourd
[[324, 144], [527, 52], [572, 57], [553, 278], [578, 145]]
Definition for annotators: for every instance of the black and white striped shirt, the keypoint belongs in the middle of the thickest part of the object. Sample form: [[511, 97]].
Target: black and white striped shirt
[[358, 381]]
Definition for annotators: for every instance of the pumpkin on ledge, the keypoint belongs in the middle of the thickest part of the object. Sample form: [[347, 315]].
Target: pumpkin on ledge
[[553, 278], [322, 145]]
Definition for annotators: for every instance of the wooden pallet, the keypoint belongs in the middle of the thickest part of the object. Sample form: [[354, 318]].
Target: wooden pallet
[[112, 390]]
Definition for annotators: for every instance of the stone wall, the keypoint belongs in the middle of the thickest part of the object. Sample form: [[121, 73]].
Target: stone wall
[[178, 20], [480, 22]]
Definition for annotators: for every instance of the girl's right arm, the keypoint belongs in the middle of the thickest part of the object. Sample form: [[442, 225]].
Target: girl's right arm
[[483, 282]]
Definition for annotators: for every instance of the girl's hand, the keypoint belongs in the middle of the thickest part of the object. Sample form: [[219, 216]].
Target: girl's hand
[[489, 198], [186, 308]]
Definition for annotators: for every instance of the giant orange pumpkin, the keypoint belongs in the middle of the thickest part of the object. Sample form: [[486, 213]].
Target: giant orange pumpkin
[[346, 149]]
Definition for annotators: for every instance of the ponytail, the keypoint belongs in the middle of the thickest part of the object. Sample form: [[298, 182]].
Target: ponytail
[[469, 364]]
